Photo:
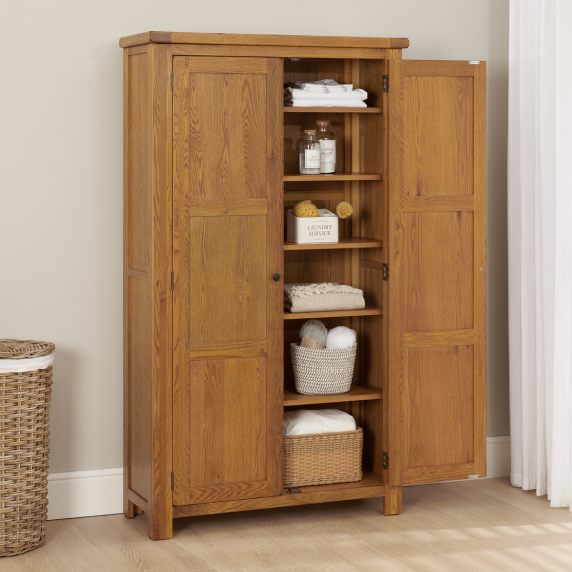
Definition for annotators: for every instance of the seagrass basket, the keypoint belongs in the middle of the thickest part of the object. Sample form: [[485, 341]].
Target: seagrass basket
[[323, 459], [322, 372], [25, 395]]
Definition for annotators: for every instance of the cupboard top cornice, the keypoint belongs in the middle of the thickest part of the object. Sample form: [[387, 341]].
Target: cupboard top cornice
[[261, 40]]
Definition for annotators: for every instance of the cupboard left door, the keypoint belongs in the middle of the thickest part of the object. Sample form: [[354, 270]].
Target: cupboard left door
[[228, 307]]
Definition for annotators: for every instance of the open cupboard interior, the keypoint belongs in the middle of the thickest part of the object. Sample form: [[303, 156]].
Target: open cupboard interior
[[211, 168]]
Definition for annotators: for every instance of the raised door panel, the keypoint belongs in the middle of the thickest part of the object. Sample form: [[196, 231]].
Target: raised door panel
[[227, 279], [437, 269], [227, 167]]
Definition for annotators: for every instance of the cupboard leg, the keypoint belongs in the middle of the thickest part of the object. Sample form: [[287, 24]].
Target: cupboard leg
[[160, 525], [130, 509], [392, 500]]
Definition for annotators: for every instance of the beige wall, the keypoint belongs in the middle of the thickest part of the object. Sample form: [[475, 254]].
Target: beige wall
[[61, 175]]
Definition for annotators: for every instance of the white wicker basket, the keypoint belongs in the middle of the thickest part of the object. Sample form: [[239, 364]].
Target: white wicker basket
[[323, 372]]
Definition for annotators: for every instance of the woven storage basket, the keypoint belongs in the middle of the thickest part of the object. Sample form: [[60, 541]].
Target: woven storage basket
[[24, 438], [322, 372], [323, 459]]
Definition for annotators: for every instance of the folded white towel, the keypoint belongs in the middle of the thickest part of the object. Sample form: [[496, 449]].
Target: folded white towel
[[324, 103], [306, 422], [291, 93], [325, 85]]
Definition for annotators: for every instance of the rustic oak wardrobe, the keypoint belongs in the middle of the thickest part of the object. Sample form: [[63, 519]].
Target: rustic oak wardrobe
[[210, 161]]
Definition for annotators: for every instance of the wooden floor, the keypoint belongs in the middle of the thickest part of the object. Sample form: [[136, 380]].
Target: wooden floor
[[479, 526]]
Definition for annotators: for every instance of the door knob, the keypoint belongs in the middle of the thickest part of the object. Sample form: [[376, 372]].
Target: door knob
[[276, 277]]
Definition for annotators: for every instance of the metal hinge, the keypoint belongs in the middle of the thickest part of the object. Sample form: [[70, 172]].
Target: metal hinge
[[172, 81], [385, 270], [293, 490], [172, 280], [172, 481], [474, 476], [385, 83], [385, 460]]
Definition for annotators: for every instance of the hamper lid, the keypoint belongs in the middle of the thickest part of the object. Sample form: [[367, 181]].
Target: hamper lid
[[25, 349]]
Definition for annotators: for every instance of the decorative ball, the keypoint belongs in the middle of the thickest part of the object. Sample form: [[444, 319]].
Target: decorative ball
[[305, 209], [344, 209], [340, 338], [315, 330]]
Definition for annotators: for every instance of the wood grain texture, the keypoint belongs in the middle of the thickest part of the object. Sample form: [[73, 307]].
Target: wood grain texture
[[337, 177], [343, 243], [436, 219], [140, 436], [228, 279], [229, 350], [483, 525], [228, 207], [438, 125], [442, 338], [367, 311], [356, 393], [438, 271], [228, 310], [277, 51], [138, 303], [439, 417], [228, 65], [220, 431], [160, 521], [140, 149], [421, 204], [261, 40], [370, 486]]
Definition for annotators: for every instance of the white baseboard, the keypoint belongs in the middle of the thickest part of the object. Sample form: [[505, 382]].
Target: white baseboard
[[498, 457], [85, 493], [92, 493]]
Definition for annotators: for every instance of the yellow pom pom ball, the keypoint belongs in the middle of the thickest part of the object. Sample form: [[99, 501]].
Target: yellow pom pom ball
[[344, 210]]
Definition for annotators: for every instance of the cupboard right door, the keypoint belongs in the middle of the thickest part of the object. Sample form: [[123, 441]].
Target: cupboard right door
[[437, 273]]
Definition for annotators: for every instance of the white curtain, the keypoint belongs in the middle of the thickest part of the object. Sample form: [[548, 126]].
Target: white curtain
[[540, 246]]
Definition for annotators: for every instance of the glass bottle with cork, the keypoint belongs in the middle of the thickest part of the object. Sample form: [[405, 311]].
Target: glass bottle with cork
[[327, 148], [309, 153]]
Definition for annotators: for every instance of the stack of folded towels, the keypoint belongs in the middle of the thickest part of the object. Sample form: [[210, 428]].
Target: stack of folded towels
[[323, 93]]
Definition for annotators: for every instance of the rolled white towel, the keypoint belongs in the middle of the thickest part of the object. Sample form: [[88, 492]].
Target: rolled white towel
[[291, 93], [307, 422], [324, 103]]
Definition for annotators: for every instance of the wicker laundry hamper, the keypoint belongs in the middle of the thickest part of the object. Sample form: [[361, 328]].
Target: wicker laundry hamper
[[323, 372], [323, 459], [25, 395]]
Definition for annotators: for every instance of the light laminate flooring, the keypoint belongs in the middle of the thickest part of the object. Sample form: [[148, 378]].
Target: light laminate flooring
[[481, 526]]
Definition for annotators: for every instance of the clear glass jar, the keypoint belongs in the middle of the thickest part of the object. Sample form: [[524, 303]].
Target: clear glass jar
[[327, 147], [309, 153]]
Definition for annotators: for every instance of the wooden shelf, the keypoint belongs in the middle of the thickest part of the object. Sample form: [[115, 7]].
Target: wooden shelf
[[338, 177], [367, 311], [332, 110], [370, 479], [356, 393], [343, 243]]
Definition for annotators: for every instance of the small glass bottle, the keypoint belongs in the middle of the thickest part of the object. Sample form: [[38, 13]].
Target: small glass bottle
[[309, 153], [327, 147]]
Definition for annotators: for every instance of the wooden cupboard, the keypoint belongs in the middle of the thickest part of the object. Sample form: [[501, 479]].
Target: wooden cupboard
[[210, 168]]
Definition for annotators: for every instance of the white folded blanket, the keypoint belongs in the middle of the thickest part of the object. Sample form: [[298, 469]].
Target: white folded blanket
[[291, 93], [325, 85], [324, 103], [325, 297], [306, 422]]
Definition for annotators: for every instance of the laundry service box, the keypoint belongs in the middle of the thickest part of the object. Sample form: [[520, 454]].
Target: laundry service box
[[310, 230]]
